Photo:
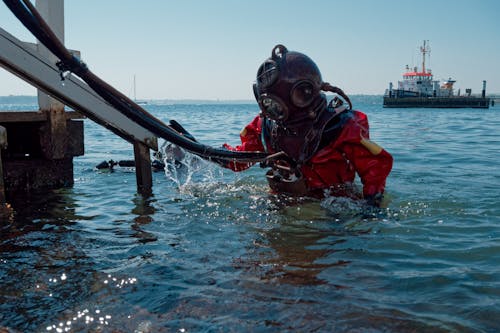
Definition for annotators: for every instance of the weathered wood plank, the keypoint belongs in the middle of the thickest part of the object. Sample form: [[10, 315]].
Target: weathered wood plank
[[32, 116]]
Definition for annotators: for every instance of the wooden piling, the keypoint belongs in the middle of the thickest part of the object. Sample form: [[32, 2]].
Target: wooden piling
[[30, 161], [3, 145], [42, 144], [143, 172]]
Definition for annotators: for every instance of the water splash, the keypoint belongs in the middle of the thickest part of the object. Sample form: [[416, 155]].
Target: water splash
[[186, 170]]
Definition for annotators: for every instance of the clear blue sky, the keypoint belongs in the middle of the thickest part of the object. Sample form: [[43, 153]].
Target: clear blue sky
[[198, 49]]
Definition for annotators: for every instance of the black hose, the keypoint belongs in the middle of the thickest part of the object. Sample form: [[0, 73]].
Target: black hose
[[29, 16]]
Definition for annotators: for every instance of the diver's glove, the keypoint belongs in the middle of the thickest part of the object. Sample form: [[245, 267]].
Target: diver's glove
[[374, 200]]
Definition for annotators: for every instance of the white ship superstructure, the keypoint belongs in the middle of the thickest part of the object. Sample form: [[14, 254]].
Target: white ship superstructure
[[419, 89]]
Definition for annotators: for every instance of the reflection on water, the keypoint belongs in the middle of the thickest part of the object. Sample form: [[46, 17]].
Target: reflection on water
[[144, 211], [233, 248], [302, 243], [212, 250], [45, 272], [294, 256], [42, 267]]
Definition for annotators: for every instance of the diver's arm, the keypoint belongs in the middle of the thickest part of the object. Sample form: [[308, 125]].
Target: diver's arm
[[370, 161], [373, 164], [250, 141]]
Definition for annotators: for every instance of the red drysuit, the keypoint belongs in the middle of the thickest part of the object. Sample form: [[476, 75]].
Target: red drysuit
[[335, 164]]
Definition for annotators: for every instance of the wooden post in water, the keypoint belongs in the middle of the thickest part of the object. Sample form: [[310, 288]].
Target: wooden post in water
[[56, 139], [143, 172], [45, 142], [3, 145]]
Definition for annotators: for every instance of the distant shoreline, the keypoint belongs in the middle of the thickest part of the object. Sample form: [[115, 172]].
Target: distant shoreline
[[31, 102], [26, 99]]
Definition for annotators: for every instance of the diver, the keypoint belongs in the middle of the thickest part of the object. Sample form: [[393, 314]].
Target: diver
[[322, 144]]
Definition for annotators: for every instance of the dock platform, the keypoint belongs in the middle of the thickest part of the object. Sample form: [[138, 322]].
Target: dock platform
[[39, 149]]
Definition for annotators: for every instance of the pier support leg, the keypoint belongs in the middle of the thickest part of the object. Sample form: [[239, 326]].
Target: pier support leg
[[2, 186], [143, 172], [3, 145], [54, 136]]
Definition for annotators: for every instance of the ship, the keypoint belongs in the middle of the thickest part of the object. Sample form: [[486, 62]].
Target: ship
[[418, 89]]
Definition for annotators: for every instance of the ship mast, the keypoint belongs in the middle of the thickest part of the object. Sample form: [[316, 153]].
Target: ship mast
[[424, 49]]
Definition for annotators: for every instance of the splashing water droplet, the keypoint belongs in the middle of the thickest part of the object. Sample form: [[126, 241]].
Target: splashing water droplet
[[185, 169]]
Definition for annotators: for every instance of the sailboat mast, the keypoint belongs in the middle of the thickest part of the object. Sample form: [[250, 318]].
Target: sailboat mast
[[134, 88]]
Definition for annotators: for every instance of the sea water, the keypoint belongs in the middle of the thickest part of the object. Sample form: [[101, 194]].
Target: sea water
[[213, 251]]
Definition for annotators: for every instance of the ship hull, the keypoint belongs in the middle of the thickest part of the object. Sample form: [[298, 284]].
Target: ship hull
[[437, 102]]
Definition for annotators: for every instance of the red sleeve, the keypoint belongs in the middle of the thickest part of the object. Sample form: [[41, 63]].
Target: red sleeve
[[373, 164], [372, 169], [250, 141]]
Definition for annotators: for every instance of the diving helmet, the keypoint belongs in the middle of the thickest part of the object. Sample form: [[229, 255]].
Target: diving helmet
[[288, 89]]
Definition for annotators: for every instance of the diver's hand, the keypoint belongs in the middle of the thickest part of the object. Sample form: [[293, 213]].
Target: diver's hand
[[374, 200]]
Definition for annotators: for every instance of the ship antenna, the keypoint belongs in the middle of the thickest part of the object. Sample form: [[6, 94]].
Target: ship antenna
[[424, 49]]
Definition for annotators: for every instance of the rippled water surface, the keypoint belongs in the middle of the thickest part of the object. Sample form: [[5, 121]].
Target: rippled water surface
[[213, 251]]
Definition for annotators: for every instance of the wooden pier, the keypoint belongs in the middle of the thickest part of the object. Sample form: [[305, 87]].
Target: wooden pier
[[37, 147]]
